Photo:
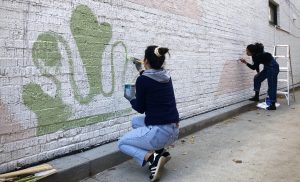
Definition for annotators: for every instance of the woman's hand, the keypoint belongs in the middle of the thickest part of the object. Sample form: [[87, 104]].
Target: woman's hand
[[243, 61], [138, 63]]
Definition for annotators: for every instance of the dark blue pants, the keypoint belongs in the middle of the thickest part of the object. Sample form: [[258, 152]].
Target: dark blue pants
[[271, 73]]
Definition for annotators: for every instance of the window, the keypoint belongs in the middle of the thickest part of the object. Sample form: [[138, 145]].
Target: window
[[273, 8]]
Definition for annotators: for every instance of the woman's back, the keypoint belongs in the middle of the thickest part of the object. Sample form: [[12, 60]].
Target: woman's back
[[155, 97]]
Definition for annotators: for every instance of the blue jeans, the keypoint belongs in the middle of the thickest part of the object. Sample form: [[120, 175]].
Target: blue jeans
[[271, 73], [142, 139]]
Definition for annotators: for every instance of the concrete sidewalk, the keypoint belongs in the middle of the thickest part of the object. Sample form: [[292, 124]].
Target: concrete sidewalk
[[257, 145], [91, 162]]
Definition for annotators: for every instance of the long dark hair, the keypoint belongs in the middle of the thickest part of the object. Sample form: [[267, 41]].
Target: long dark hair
[[256, 48], [157, 58]]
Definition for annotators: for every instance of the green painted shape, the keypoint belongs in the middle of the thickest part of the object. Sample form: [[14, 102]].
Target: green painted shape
[[53, 114], [49, 110], [126, 61], [91, 39], [46, 49], [82, 121]]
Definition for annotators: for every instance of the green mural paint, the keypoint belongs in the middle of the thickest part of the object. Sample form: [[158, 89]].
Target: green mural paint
[[46, 49], [82, 121], [49, 110], [91, 39], [126, 61]]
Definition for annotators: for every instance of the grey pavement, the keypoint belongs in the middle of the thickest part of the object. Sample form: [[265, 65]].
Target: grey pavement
[[257, 145], [88, 163]]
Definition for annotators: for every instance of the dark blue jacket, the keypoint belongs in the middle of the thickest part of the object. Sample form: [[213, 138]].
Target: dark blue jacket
[[156, 99], [262, 58]]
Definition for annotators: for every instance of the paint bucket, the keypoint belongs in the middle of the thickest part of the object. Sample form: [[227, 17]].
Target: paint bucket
[[129, 89]]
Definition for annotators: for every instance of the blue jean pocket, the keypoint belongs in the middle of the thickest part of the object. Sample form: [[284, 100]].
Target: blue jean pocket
[[160, 138], [174, 137]]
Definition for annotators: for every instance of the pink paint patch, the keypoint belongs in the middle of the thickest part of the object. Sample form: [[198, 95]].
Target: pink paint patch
[[188, 8], [10, 130], [4, 119], [235, 77]]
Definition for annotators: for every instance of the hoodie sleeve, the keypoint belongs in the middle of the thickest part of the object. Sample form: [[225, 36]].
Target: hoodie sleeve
[[139, 103], [255, 65], [263, 58]]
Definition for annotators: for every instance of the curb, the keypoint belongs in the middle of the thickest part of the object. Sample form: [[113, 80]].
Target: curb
[[82, 165]]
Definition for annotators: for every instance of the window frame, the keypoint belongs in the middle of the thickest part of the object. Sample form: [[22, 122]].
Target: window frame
[[273, 8]]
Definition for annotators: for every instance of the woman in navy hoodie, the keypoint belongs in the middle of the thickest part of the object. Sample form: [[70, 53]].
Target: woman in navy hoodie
[[158, 128]]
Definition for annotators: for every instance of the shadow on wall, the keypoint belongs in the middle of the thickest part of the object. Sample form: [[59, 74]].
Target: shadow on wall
[[235, 76], [91, 39]]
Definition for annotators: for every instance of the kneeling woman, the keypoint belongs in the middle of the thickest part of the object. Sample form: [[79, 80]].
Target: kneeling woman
[[158, 128], [270, 71]]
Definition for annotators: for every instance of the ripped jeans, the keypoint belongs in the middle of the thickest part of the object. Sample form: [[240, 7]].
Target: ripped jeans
[[142, 139]]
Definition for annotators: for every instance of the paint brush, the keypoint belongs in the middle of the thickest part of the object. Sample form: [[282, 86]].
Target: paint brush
[[136, 60], [138, 63]]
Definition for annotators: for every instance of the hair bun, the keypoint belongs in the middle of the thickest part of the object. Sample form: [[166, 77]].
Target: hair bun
[[155, 55], [156, 52], [163, 50]]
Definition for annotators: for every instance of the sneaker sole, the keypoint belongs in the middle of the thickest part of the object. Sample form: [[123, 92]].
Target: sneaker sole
[[162, 161], [167, 159]]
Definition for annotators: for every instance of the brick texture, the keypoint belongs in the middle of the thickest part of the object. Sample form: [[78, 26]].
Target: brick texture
[[63, 64]]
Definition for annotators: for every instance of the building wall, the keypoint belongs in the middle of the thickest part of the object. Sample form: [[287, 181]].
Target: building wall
[[63, 64]]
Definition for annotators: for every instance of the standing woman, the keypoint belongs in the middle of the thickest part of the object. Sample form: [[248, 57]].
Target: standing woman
[[158, 128], [270, 71]]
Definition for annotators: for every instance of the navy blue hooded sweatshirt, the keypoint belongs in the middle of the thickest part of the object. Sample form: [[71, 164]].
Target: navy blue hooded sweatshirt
[[155, 97], [262, 58]]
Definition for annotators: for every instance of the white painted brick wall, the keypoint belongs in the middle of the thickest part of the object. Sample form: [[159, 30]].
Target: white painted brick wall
[[203, 47]]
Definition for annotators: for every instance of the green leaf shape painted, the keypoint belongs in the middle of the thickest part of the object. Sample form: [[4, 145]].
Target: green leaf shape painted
[[49, 110], [91, 39], [46, 49]]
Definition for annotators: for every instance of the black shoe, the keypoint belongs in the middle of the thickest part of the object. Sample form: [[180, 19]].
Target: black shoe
[[156, 166], [256, 99], [271, 107], [163, 153], [167, 155]]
